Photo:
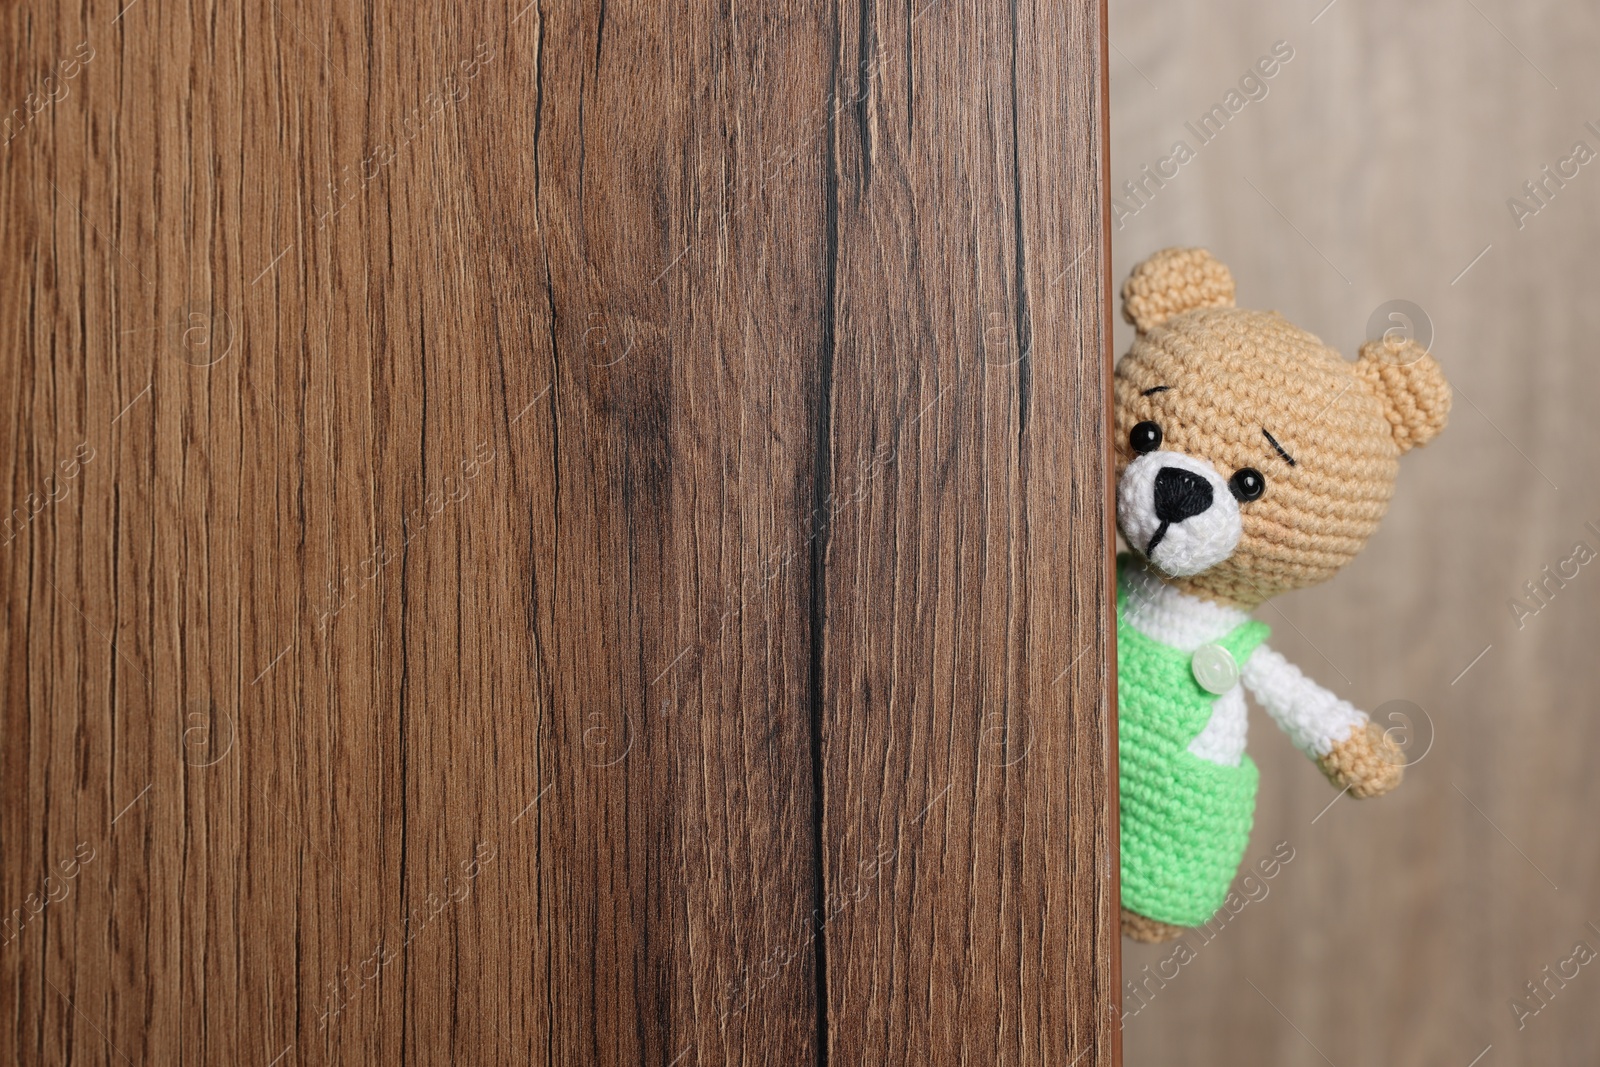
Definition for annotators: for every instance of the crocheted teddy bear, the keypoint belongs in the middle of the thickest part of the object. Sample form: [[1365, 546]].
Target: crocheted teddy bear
[[1251, 459]]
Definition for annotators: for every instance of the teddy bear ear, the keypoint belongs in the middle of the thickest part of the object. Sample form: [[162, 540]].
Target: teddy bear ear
[[1173, 281], [1411, 386]]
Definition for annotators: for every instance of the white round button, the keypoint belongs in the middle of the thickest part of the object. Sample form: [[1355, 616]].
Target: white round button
[[1214, 668]]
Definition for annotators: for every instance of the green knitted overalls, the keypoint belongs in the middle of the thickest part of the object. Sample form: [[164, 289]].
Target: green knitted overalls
[[1185, 820]]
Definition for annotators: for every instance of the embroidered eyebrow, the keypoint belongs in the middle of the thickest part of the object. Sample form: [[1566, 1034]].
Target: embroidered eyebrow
[[1157, 389], [1286, 457]]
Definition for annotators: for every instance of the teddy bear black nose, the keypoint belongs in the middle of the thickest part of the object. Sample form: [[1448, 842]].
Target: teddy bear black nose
[[1180, 494]]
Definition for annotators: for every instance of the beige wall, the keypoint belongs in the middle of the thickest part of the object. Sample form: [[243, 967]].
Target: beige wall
[[1382, 159]]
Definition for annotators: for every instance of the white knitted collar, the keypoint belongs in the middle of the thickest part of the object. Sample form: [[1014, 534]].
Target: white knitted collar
[[1170, 616]]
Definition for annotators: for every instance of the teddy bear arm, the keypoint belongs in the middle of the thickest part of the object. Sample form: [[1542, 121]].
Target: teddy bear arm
[[1350, 750], [1366, 763]]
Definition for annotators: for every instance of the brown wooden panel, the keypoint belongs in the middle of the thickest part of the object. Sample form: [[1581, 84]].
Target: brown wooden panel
[[968, 669], [687, 304], [426, 601]]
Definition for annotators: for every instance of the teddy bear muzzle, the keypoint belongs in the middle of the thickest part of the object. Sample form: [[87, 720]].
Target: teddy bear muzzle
[[1177, 512]]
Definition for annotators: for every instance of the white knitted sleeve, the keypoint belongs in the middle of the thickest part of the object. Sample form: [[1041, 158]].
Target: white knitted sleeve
[[1314, 718]]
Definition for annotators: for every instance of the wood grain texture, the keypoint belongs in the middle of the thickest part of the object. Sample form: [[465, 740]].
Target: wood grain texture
[[568, 533], [1382, 159], [966, 671]]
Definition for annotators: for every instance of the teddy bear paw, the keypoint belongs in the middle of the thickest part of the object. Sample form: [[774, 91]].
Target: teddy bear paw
[[1366, 763], [1150, 931]]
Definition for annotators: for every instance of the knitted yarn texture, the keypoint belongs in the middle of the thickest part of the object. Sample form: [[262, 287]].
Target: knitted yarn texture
[[1251, 459], [1217, 379], [1185, 821]]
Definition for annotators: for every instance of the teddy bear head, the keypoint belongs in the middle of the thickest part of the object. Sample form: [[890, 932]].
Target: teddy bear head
[[1252, 459]]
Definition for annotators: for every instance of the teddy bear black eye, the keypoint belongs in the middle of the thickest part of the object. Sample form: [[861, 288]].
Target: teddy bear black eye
[[1146, 437], [1247, 484]]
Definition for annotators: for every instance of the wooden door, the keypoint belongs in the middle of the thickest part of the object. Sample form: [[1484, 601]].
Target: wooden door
[[570, 533]]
